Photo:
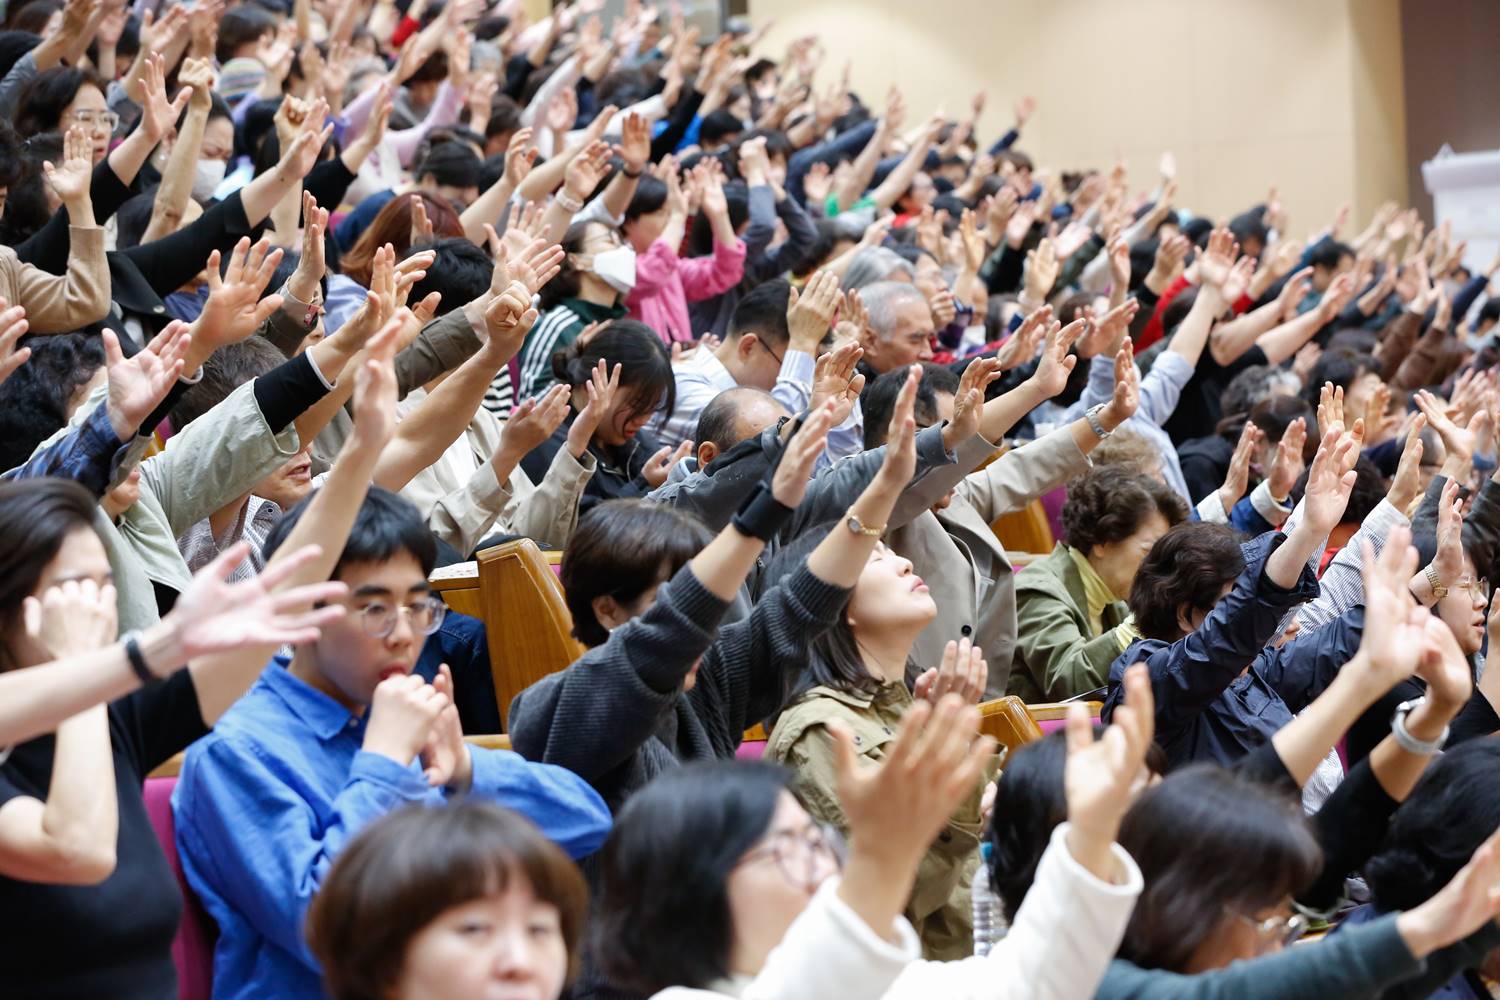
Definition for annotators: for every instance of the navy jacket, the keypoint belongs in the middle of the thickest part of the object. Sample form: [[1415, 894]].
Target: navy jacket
[[1208, 705]]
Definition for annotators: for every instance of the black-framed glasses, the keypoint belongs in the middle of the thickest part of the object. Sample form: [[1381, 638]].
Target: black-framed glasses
[[802, 855], [378, 620], [767, 348]]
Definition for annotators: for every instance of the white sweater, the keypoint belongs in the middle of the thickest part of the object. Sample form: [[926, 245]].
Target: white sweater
[[1063, 938]]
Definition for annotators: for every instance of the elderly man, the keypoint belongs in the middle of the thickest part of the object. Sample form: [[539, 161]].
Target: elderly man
[[900, 328]]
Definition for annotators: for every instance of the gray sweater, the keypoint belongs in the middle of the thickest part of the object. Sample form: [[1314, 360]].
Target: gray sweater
[[618, 716]]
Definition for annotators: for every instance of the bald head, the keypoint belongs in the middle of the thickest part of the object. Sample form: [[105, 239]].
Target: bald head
[[734, 415]]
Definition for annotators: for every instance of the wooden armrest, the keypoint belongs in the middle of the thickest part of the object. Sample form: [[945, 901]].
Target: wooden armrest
[[1048, 711]]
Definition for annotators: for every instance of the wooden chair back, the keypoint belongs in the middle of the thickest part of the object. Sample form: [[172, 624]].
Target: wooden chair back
[[525, 619], [1008, 721], [1025, 530]]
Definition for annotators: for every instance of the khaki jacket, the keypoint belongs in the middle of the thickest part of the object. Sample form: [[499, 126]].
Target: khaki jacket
[[960, 559], [60, 303], [462, 513], [1058, 655], [940, 908]]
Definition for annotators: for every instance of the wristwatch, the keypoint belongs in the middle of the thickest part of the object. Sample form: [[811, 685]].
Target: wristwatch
[[1439, 591], [1092, 416], [1406, 740], [857, 527]]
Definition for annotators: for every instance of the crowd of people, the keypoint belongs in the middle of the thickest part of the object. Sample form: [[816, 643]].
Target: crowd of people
[[301, 300]]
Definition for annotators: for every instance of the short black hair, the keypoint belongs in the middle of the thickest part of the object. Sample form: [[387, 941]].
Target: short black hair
[[1489, 311], [1249, 226], [878, 401], [701, 232], [40, 106], [1328, 252], [452, 164], [650, 195], [1340, 366], [1189, 565], [1210, 844], [1109, 504], [1452, 811], [762, 311], [718, 125], [461, 272], [663, 916], [621, 549], [242, 25], [35, 400], [505, 116], [387, 524], [36, 517], [646, 378], [228, 368]]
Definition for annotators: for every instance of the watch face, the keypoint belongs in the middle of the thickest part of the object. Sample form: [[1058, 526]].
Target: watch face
[[854, 525]]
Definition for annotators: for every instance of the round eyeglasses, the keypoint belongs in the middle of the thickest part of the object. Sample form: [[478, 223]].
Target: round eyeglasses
[[802, 855], [378, 620]]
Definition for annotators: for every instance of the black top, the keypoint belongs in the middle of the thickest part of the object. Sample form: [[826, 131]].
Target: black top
[[1201, 406], [113, 939], [617, 475]]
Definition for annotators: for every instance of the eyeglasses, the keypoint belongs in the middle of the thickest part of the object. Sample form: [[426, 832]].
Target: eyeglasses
[[767, 348], [106, 118], [1479, 589], [1281, 931], [802, 855], [379, 620]]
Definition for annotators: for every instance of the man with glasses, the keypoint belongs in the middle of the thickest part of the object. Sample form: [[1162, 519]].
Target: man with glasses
[[771, 346], [332, 737]]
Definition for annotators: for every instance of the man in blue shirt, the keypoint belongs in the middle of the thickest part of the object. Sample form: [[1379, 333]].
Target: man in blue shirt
[[330, 739]]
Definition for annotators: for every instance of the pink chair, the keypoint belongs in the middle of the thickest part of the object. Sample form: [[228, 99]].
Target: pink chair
[[750, 750], [193, 949]]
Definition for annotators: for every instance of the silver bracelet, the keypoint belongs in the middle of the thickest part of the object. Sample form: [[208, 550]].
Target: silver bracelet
[[1092, 416], [1405, 740]]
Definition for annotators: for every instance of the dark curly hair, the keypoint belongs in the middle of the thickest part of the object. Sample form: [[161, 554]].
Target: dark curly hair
[[1188, 565], [1108, 505]]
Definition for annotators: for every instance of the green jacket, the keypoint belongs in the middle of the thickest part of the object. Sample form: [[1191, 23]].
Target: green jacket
[[940, 908], [1057, 653]]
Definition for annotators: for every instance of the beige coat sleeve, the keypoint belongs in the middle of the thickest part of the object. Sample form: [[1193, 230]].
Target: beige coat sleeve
[[1020, 476], [548, 511], [60, 303]]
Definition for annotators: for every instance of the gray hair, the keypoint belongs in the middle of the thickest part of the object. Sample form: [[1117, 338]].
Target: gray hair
[[1257, 383], [874, 264], [881, 301]]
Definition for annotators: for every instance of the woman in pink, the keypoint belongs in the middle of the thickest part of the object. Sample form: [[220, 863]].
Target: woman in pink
[[664, 282]]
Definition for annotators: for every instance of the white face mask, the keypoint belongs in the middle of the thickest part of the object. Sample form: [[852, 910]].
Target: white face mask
[[207, 176], [616, 268]]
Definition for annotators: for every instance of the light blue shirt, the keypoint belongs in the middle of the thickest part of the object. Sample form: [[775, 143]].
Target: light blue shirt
[[268, 799], [1161, 388], [703, 376]]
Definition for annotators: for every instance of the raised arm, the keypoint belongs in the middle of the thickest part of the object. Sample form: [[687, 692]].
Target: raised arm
[[900, 179], [196, 77]]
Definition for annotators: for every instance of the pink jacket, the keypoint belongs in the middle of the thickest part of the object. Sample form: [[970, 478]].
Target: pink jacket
[[665, 283]]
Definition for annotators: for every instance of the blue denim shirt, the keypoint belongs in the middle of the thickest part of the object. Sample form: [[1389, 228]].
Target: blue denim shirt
[[268, 799]]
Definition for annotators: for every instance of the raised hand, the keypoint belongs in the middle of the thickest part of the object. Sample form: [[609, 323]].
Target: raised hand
[[507, 318], [402, 714], [835, 380], [586, 171], [70, 182], [1218, 257], [1286, 466], [659, 466], [1099, 775], [810, 312], [537, 263], [1051, 375], [601, 389], [214, 616], [1329, 481], [534, 421], [445, 757], [1040, 273], [137, 385], [1237, 478], [197, 75], [1127, 395], [421, 226], [1459, 441], [1395, 624], [71, 618], [1448, 561], [853, 319], [1022, 345], [12, 327], [375, 386], [159, 115], [235, 309], [900, 461], [1407, 482], [963, 672]]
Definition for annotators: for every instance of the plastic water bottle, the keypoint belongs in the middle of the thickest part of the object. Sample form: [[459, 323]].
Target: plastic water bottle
[[989, 920]]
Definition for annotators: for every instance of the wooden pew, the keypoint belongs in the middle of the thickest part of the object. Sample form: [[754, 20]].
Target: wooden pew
[[1009, 722], [525, 618]]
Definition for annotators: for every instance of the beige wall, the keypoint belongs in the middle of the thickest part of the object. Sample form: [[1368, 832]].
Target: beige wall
[[1305, 93]]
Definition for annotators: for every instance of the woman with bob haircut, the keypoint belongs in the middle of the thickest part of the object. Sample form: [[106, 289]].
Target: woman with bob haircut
[[448, 903], [1070, 607], [630, 463], [717, 883], [77, 848]]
